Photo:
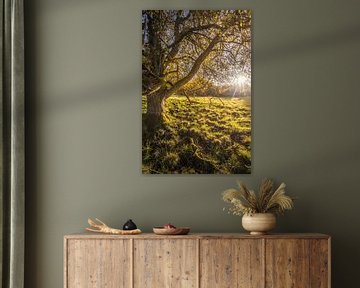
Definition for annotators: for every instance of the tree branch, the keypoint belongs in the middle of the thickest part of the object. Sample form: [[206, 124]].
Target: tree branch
[[195, 68], [180, 36], [189, 31]]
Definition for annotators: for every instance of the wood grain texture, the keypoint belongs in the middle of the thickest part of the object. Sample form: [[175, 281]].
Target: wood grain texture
[[66, 262], [98, 264], [287, 263], [197, 260], [319, 263], [88, 235], [166, 263], [231, 263]]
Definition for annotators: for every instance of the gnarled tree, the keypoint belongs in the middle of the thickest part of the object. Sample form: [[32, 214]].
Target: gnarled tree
[[184, 45]]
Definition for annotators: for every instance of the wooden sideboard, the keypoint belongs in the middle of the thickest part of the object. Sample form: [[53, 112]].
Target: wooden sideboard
[[197, 260]]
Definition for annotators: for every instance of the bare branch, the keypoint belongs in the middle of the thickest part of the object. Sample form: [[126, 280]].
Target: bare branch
[[195, 67], [101, 227]]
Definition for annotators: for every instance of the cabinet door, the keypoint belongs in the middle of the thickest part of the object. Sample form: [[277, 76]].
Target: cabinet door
[[320, 263], [165, 263], [98, 263], [231, 263], [287, 263]]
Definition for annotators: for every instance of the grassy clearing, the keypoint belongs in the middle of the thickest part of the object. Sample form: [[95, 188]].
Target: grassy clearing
[[208, 136]]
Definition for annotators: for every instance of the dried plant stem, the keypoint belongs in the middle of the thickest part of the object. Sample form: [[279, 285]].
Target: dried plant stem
[[101, 227], [245, 201]]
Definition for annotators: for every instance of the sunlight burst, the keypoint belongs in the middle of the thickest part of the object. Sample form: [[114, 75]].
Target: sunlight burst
[[240, 80]]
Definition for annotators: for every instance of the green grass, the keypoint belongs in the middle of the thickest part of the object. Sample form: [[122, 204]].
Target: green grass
[[205, 137]]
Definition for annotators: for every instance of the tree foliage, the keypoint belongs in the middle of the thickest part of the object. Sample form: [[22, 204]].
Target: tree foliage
[[193, 48]]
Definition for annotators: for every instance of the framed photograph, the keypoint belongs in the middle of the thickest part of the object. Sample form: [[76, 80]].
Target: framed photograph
[[196, 91]]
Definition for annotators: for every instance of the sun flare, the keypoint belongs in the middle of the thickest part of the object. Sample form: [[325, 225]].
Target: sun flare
[[240, 80]]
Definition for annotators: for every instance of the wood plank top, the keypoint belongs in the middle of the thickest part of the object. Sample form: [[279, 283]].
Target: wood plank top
[[88, 235]]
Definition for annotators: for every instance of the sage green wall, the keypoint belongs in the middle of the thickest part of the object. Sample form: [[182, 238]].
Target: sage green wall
[[84, 126]]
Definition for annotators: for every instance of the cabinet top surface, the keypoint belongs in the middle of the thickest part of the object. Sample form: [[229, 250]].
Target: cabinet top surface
[[87, 235]]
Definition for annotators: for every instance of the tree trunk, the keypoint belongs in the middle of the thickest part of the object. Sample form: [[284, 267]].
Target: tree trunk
[[155, 109]]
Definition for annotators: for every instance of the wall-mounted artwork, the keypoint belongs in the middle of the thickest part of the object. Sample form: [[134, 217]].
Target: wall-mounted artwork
[[196, 91]]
